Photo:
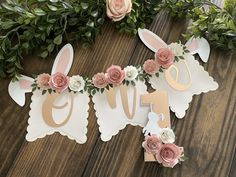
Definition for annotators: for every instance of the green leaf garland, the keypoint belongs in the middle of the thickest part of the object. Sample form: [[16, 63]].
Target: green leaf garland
[[46, 24], [209, 21]]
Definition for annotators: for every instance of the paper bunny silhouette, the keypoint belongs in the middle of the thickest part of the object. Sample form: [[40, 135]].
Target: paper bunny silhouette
[[152, 126], [48, 111], [184, 78]]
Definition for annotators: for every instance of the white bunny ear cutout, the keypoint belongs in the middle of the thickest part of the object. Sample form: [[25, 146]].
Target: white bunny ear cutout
[[64, 60], [199, 46], [151, 40], [17, 89]]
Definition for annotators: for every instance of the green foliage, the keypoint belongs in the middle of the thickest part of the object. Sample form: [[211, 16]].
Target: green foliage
[[43, 25], [180, 8], [143, 12], [216, 24], [230, 6]]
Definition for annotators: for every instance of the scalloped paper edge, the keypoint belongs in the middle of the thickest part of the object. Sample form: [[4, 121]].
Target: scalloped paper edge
[[127, 122], [185, 108], [58, 130]]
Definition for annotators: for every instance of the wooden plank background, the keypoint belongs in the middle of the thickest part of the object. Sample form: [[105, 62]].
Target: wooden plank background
[[208, 131]]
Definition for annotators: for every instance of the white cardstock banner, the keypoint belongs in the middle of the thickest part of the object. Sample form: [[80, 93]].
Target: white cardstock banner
[[188, 74], [74, 128], [201, 83], [65, 113], [112, 120]]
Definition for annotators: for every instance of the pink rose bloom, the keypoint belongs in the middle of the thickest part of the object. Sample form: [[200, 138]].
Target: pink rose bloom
[[151, 67], [118, 9], [99, 80], [164, 57], [59, 82], [169, 155], [115, 75], [43, 81], [152, 144]]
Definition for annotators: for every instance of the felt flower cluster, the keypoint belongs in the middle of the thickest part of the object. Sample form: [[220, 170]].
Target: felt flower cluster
[[114, 76], [164, 58], [58, 82], [163, 148]]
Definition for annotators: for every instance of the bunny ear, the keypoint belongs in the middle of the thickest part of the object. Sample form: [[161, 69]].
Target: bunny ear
[[151, 40], [17, 89], [64, 60], [200, 46]]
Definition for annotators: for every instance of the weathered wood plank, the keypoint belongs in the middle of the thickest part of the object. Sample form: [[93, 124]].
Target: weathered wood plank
[[232, 172]]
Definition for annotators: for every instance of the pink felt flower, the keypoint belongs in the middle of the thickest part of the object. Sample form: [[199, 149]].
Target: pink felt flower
[[164, 57], [59, 82], [151, 67], [152, 144], [99, 80], [118, 9], [115, 75], [169, 155], [43, 81]]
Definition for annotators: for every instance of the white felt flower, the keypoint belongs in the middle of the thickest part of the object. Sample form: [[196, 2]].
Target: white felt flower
[[177, 49], [77, 83], [131, 73], [167, 135]]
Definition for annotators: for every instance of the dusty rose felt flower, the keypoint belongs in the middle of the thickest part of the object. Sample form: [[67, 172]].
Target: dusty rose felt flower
[[164, 57], [99, 80], [118, 9], [115, 75], [169, 155], [151, 67], [152, 144], [59, 82], [43, 80]]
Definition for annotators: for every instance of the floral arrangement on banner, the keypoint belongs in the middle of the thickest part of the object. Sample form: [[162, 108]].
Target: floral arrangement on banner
[[45, 24], [58, 82], [114, 75], [163, 149], [164, 58]]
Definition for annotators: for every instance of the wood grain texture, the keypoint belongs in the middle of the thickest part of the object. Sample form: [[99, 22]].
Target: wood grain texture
[[208, 131]]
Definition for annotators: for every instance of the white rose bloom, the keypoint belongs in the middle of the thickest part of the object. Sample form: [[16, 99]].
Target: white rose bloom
[[177, 49], [131, 73], [167, 135], [77, 83]]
